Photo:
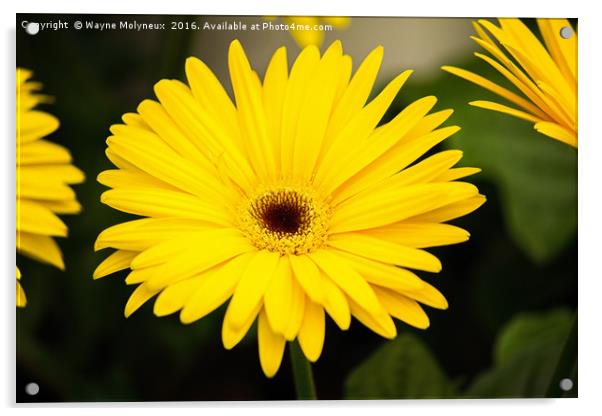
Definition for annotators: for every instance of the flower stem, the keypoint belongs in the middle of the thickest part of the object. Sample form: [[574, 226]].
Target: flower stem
[[566, 366], [304, 379]]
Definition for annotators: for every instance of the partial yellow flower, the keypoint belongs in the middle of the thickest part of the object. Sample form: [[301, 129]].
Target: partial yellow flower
[[310, 30], [544, 74], [290, 204], [21, 298], [44, 173]]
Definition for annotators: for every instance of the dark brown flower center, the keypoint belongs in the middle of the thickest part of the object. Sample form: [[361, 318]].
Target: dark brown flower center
[[282, 212]]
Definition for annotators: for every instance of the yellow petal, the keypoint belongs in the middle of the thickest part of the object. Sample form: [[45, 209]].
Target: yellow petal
[[308, 276], [138, 235], [37, 188], [117, 261], [356, 132], [208, 131], [161, 123], [215, 289], [193, 256], [336, 304], [62, 207], [493, 87], [456, 173], [396, 159], [51, 173], [429, 123], [150, 154], [34, 125], [278, 298], [370, 210], [428, 295], [312, 333], [274, 90], [385, 251], [343, 75], [314, 117], [21, 298], [350, 281], [356, 94], [382, 140], [271, 346], [173, 297], [381, 274], [251, 288], [563, 51], [37, 219], [420, 235], [41, 248], [424, 171], [167, 248], [164, 203], [451, 211], [42, 152], [212, 96], [138, 298], [488, 105], [251, 112], [297, 311], [557, 132], [296, 89], [533, 56], [136, 120], [382, 324], [403, 308], [121, 178], [232, 335]]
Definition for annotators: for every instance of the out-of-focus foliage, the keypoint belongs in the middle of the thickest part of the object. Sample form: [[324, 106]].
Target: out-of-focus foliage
[[526, 354], [403, 368]]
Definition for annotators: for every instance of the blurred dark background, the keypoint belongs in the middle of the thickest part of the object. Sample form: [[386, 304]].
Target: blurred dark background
[[72, 338]]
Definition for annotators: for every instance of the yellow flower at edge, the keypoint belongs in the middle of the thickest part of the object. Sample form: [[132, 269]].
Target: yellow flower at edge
[[44, 173], [312, 28], [289, 205], [545, 75]]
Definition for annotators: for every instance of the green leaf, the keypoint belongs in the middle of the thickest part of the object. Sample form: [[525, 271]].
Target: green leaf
[[536, 175], [526, 353], [401, 369], [531, 330]]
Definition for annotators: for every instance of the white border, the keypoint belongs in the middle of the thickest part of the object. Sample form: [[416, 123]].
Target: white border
[[590, 149]]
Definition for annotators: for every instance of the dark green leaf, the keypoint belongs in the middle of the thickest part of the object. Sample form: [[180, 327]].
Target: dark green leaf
[[529, 330], [526, 354], [401, 369]]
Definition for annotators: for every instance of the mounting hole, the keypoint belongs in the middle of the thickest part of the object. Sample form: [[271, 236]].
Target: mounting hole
[[32, 28], [566, 384], [566, 32], [32, 389]]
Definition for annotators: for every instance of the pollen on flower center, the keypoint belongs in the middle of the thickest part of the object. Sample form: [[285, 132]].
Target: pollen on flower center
[[288, 220], [282, 212]]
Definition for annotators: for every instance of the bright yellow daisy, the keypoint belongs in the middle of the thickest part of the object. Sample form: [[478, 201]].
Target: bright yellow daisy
[[44, 173], [290, 204], [544, 74], [310, 30]]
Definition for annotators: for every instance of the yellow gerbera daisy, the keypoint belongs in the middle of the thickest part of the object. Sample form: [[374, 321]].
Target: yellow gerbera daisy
[[44, 172], [291, 203], [546, 76], [309, 30]]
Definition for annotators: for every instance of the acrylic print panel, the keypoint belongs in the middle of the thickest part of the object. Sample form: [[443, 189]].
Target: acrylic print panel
[[273, 208]]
